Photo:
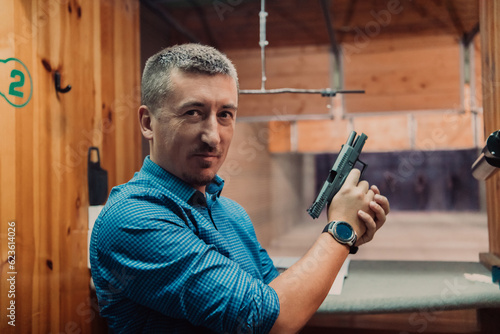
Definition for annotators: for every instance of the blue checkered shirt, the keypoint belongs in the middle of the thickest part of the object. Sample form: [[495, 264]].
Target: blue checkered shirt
[[167, 259]]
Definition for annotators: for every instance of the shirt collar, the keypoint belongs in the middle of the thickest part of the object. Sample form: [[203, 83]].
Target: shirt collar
[[215, 187], [176, 185]]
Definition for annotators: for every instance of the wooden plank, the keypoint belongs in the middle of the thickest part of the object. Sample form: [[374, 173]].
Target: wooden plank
[[121, 136], [322, 136], [478, 93], [8, 170], [490, 48], [402, 76], [127, 89], [107, 82], [279, 137], [385, 133], [26, 129], [55, 148], [77, 43], [442, 131]]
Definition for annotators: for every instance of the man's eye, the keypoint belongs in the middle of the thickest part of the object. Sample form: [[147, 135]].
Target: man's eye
[[226, 114], [192, 112]]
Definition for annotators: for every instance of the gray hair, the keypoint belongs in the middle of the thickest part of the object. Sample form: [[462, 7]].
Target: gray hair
[[191, 58]]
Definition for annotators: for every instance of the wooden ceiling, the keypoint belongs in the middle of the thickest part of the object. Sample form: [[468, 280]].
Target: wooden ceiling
[[230, 24]]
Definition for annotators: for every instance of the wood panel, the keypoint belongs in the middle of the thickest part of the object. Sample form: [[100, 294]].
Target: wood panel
[[419, 73], [322, 136], [385, 133], [477, 95], [44, 149], [443, 131], [490, 46], [279, 137], [119, 20]]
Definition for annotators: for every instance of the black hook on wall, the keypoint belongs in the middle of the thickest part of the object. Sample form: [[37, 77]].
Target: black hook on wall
[[57, 79]]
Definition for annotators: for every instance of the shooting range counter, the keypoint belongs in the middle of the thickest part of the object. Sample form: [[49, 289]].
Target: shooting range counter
[[423, 289]]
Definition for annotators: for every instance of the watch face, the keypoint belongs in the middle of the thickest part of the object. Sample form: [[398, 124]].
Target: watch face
[[344, 231]]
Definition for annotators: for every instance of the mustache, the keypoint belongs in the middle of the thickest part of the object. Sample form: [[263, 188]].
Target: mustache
[[207, 149]]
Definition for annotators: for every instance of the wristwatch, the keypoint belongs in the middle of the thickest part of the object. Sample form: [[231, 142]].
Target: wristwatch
[[343, 233]]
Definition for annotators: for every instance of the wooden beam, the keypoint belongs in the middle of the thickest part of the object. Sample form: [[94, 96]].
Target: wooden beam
[[329, 27], [455, 19], [202, 15], [489, 19], [171, 21]]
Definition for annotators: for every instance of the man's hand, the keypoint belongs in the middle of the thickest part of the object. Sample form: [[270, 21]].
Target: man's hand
[[361, 206], [354, 196], [375, 217]]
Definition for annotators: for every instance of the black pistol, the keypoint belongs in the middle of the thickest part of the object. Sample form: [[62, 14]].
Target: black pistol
[[348, 156]]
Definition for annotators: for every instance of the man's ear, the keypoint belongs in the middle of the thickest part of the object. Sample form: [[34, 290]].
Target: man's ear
[[146, 120]]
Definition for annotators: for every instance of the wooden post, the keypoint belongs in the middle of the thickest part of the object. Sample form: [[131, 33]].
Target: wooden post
[[489, 12]]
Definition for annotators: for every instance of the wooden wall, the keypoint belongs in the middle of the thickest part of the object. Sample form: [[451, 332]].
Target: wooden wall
[[490, 40], [43, 149], [415, 96], [400, 74]]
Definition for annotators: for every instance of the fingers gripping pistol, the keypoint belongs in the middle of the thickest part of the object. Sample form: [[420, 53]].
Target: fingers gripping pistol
[[348, 156]]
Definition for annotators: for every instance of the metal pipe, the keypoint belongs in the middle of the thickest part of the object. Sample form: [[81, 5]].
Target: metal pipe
[[350, 116], [329, 27], [323, 92], [283, 118], [263, 42]]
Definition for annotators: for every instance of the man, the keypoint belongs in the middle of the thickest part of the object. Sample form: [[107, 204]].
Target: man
[[169, 254]]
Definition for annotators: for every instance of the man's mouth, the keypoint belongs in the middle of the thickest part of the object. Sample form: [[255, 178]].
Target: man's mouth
[[207, 152], [207, 158], [207, 155]]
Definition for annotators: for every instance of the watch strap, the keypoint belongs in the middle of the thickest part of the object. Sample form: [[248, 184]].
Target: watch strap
[[352, 249]]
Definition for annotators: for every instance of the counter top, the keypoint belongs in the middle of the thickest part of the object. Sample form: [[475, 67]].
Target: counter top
[[407, 286]]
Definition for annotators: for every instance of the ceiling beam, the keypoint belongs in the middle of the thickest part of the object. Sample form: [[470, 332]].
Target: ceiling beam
[[469, 36], [455, 19], [200, 11], [349, 14], [170, 20], [329, 26]]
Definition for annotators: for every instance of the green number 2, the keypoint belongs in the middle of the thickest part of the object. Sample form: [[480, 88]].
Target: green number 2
[[16, 84]]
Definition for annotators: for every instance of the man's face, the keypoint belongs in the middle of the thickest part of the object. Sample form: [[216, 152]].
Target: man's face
[[193, 130]]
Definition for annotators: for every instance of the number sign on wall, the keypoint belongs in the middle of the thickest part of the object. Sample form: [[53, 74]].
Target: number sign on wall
[[16, 86]]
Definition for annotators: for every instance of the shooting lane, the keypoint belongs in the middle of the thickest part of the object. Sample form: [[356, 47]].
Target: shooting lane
[[419, 93], [417, 296]]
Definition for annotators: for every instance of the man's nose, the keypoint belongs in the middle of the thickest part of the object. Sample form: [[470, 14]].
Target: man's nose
[[210, 134]]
